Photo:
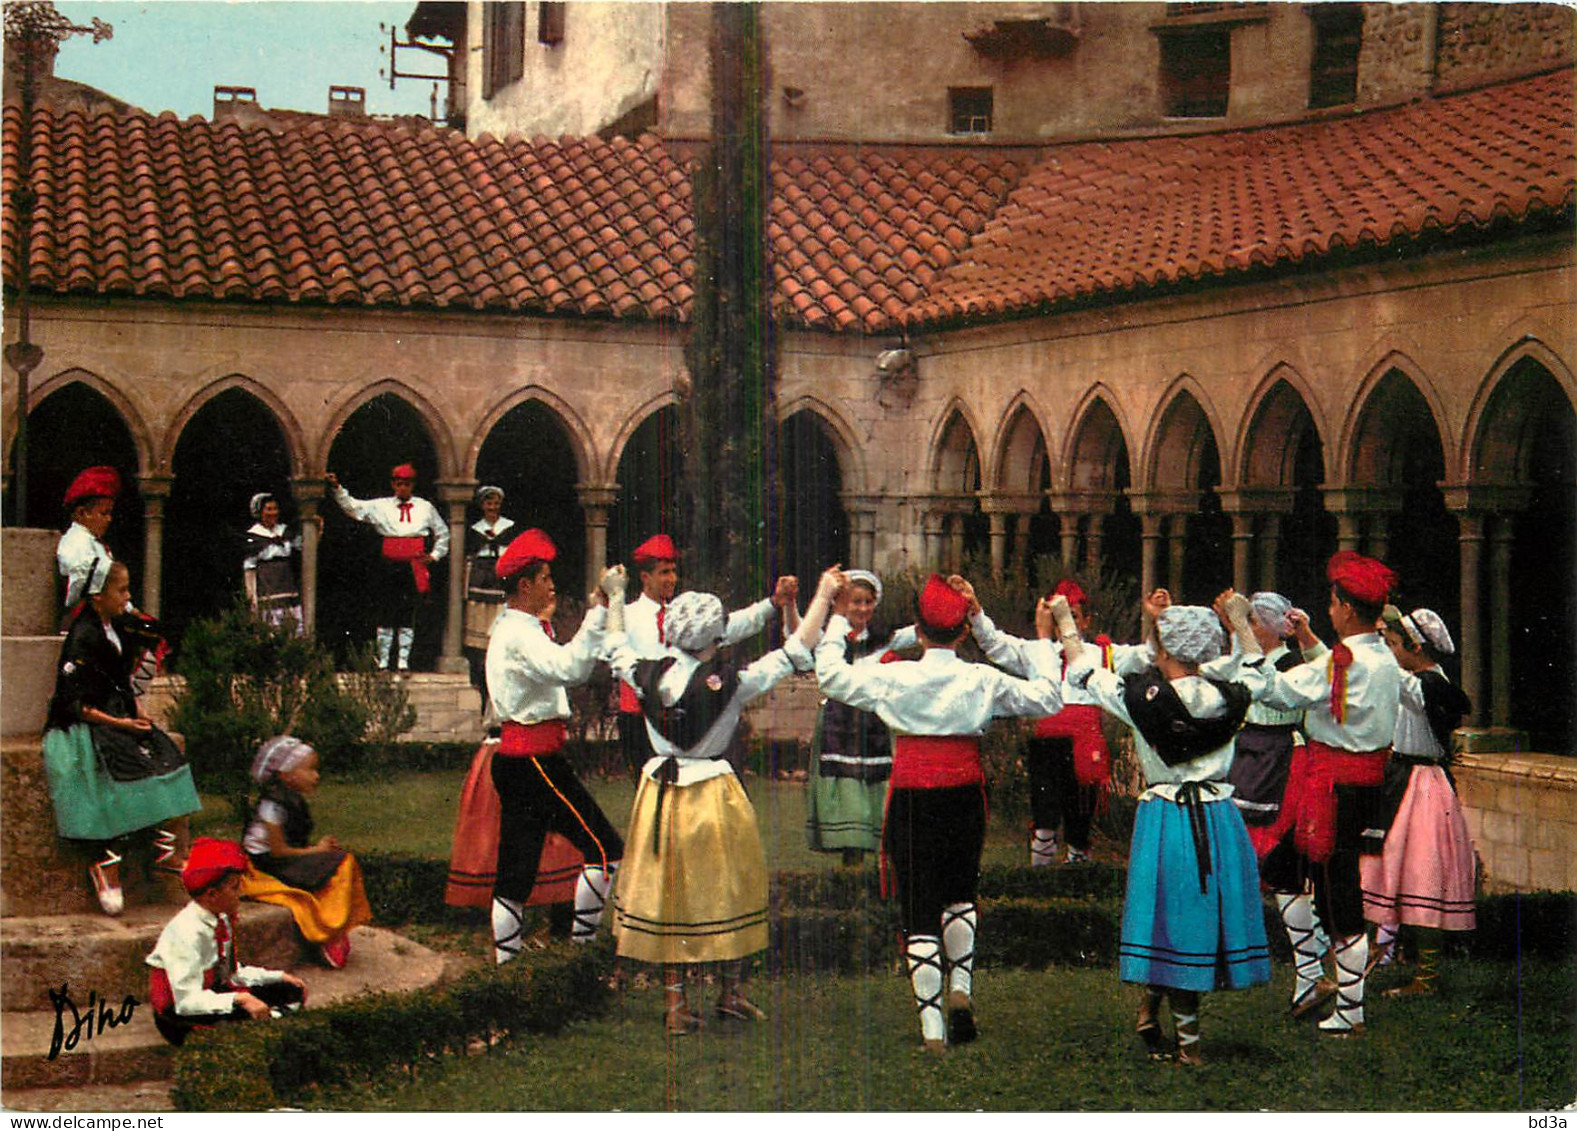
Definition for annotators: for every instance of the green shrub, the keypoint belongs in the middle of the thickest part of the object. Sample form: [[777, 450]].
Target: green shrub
[[264, 1065], [382, 705], [247, 680]]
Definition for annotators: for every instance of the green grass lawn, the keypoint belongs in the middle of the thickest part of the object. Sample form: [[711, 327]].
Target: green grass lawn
[[1498, 1038], [414, 813]]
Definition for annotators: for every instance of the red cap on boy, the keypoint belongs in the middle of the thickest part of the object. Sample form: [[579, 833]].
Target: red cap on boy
[[404, 471], [1070, 589], [942, 606], [93, 483], [657, 548], [1366, 579], [210, 861], [532, 546]]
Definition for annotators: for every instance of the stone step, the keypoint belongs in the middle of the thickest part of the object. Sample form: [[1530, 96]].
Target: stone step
[[144, 1095], [27, 681], [92, 952], [134, 1052]]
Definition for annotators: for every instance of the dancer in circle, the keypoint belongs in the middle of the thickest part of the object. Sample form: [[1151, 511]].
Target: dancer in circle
[[694, 889], [1423, 876], [937, 709], [1192, 920], [851, 753], [528, 673]]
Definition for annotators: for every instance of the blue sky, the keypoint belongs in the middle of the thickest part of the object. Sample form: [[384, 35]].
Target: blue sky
[[170, 54]]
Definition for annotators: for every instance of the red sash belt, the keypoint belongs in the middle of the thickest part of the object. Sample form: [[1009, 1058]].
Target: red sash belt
[[923, 761], [528, 740], [1081, 722], [1309, 806], [413, 550], [628, 703]]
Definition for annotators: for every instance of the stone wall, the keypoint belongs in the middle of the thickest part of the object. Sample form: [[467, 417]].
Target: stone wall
[[1521, 812], [1398, 55], [1486, 41]]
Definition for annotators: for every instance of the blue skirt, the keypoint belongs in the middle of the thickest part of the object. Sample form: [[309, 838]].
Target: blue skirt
[[1175, 935]]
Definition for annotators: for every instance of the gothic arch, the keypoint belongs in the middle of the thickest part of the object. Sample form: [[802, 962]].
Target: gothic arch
[[851, 457], [1363, 453], [581, 442], [1174, 449], [433, 423], [955, 434], [1496, 443], [1264, 458], [1367, 457], [295, 439], [141, 436], [1021, 430], [1095, 437], [626, 430]]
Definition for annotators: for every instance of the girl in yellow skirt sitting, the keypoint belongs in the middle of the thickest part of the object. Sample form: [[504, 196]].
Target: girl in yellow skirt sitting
[[318, 881], [694, 884]]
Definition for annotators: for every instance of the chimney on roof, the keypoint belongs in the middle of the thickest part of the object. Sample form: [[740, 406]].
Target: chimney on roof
[[347, 102], [235, 103]]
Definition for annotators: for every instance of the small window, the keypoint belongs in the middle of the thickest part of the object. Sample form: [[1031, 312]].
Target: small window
[[969, 109], [550, 21], [1338, 36], [504, 45], [1196, 72]]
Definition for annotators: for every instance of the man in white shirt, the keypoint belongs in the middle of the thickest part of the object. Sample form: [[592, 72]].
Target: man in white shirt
[[414, 537], [538, 792], [657, 565], [1350, 701], [936, 708]]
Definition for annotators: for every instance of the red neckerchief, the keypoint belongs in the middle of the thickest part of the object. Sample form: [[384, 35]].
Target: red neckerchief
[[547, 627], [1341, 660], [405, 512], [661, 637]]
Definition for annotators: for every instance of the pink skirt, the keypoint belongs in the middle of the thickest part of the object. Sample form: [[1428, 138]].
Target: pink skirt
[[1425, 875]]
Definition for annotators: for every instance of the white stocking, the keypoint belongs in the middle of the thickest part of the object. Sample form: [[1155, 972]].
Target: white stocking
[[1352, 959], [385, 645], [959, 923], [406, 636], [1297, 915], [591, 897], [924, 954], [508, 925], [1042, 848]]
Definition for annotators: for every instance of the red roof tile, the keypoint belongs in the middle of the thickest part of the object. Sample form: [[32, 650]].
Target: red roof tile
[[389, 215], [1105, 217]]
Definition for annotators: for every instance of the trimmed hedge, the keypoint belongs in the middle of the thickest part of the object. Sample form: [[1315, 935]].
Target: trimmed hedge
[[261, 1066]]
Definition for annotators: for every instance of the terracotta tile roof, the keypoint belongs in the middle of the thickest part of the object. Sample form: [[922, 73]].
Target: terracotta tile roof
[[1110, 217], [356, 213], [861, 240], [856, 239]]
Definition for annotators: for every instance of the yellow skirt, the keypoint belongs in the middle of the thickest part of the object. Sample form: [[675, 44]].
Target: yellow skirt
[[697, 891], [322, 915]]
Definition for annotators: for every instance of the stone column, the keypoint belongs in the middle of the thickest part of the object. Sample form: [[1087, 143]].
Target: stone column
[[933, 525], [308, 494], [861, 511], [1475, 673], [1270, 551], [1243, 552], [1500, 620], [595, 503], [1070, 539], [454, 495], [1021, 523], [999, 543], [955, 542], [155, 489], [1349, 532], [1093, 534], [1150, 533], [1379, 535], [1177, 548]]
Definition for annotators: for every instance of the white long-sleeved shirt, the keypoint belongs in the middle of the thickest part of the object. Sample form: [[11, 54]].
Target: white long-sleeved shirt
[[1413, 733], [527, 672], [383, 515], [187, 949], [1202, 700], [77, 555], [1261, 713], [937, 695], [702, 762], [640, 627], [1373, 690], [1027, 658]]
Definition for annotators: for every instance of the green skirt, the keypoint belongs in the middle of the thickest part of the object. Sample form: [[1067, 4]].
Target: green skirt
[[842, 812], [91, 805]]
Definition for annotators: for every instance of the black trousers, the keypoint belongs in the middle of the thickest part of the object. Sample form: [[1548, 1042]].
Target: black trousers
[[1055, 795], [634, 742], [933, 838], [174, 1027], [1338, 890], [538, 796]]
